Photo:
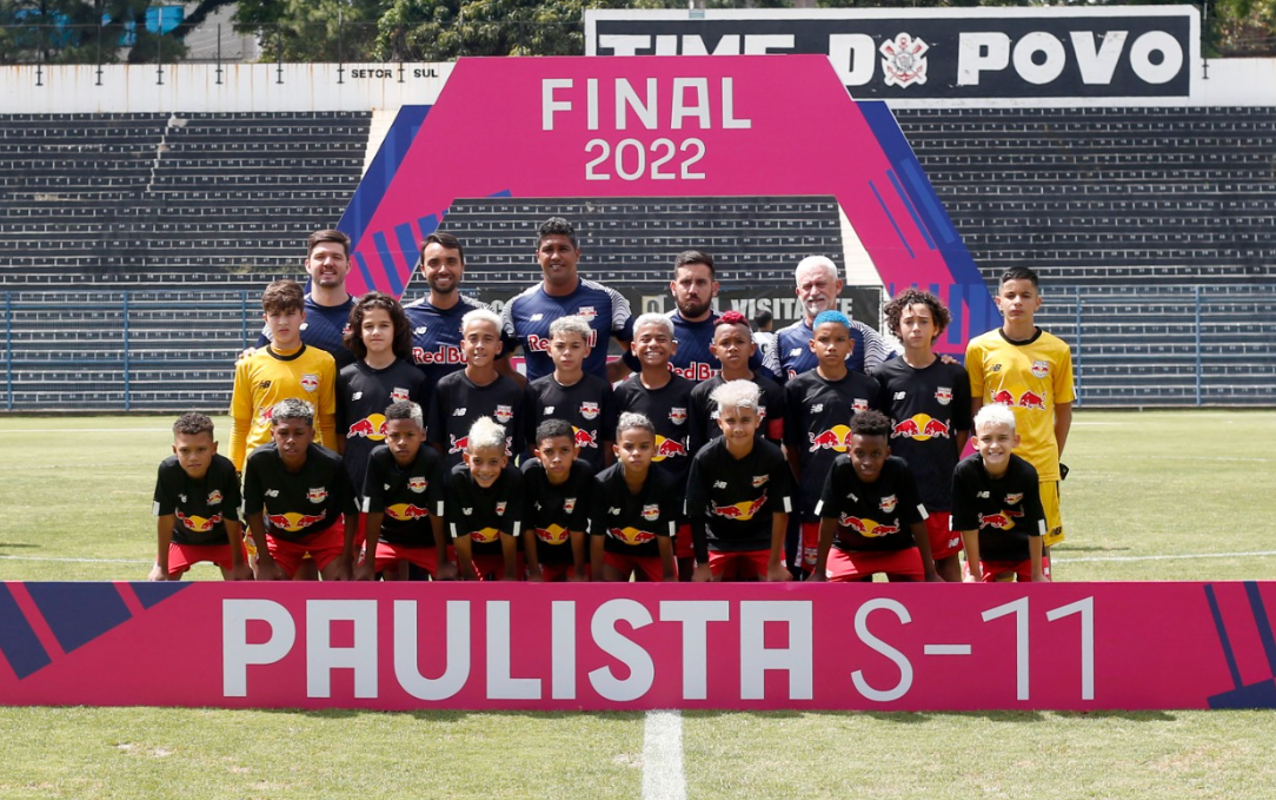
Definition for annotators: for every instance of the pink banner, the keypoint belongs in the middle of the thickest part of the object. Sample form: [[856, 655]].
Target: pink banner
[[608, 647]]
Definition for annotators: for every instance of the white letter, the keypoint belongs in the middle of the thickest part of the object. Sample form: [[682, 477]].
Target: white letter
[[854, 57], [562, 634], [761, 44], [237, 653], [500, 685], [626, 97], [756, 658], [1039, 42], [642, 671], [699, 110], [624, 44], [1097, 67], [695, 616], [1171, 57], [548, 104], [591, 103], [456, 651], [981, 52], [667, 44], [905, 668], [728, 107], [322, 658]]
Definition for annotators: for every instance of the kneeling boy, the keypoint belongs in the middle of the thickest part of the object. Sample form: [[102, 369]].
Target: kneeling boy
[[636, 510], [485, 506], [557, 485]]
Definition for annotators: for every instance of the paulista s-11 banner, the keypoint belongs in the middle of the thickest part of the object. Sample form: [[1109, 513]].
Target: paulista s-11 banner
[[888, 647], [657, 127]]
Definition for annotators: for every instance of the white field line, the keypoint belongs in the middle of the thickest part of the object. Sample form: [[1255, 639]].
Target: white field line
[[78, 560], [1177, 557], [662, 776], [83, 430]]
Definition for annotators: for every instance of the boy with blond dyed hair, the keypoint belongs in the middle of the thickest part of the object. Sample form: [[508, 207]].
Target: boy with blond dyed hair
[[485, 506]]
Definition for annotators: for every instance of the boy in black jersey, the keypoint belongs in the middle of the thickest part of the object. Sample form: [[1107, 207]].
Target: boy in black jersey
[[461, 398], [197, 506], [664, 398], [582, 399], [403, 501], [870, 514], [298, 500], [820, 404], [557, 487], [928, 402], [733, 345], [485, 506], [635, 510], [997, 505], [739, 494]]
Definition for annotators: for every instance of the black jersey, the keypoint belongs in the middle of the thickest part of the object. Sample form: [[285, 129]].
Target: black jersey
[[588, 405], [667, 408], [927, 408], [553, 512], [818, 425], [200, 507], [1005, 510], [733, 500], [436, 337], [407, 496], [704, 412], [484, 514], [363, 393], [872, 516], [458, 402], [631, 522], [297, 504]]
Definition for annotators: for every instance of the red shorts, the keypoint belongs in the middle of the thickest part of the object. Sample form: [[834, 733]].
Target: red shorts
[[557, 573], [648, 568], [739, 566], [683, 545], [427, 558], [492, 567], [844, 566], [181, 557], [324, 547], [810, 545], [943, 542], [1021, 571]]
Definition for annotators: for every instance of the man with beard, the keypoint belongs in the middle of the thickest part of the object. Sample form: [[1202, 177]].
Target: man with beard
[[327, 304]]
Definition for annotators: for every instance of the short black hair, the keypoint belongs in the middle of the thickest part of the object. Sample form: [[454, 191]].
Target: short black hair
[[552, 429], [762, 319], [870, 423], [445, 240], [193, 423], [894, 310], [694, 257], [1020, 274], [557, 226]]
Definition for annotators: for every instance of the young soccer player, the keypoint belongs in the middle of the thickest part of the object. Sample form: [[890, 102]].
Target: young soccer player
[[820, 404], [485, 506], [870, 514], [996, 505], [557, 487], [462, 398], [298, 500], [403, 501], [382, 374], [284, 368], [664, 399], [582, 399], [636, 510], [733, 345], [1021, 366], [739, 494], [928, 402], [197, 506]]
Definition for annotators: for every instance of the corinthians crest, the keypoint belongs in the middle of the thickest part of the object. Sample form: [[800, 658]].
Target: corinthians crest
[[904, 60]]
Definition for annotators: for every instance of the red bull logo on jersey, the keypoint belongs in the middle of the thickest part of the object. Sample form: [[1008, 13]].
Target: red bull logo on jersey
[[1014, 499], [540, 344], [695, 371], [1031, 399], [859, 404], [867, 527], [944, 395], [457, 445], [504, 414], [759, 480], [888, 503], [740, 511], [836, 438], [406, 512], [921, 427], [500, 508], [584, 438], [196, 524], [651, 512], [418, 484], [1005, 520], [669, 448], [554, 534], [398, 395], [589, 410], [446, 354], [310, 382], [214, 497], [569, 505], [371, 427], [631, 536], [588, 312], [293, 522], [1004, 397], [1040, 369], [677, 415], [267, 413], [485, 535], [317, 494]]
